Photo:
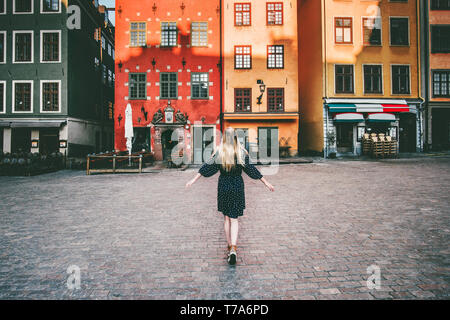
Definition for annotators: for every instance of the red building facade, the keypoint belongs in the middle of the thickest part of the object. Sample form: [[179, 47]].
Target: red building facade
[[168, 70]]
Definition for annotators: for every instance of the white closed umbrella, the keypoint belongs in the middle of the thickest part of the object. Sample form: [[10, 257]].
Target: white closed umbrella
[[129, 134]]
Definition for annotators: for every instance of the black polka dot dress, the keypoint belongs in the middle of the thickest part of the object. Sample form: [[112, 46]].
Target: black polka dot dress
[[230, 190]]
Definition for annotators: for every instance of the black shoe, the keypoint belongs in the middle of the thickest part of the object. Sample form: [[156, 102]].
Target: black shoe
[[232, 256]]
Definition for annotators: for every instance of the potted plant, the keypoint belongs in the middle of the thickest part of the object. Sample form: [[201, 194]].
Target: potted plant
[[331, 140]]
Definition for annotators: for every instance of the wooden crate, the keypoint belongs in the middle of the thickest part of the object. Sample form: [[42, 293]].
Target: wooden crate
[[366, 146], [377, 147], [393, 148]]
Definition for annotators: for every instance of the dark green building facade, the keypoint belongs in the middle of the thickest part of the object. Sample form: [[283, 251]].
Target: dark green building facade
[[56, 77]]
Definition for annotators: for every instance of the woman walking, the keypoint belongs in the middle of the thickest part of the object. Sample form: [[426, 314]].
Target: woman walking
[[230, 159]]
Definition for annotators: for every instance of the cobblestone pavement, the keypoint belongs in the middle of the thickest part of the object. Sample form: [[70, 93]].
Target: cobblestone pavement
[[145, 237]]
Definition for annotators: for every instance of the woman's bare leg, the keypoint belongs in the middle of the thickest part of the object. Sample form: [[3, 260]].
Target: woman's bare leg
[[234, 231], [226, 225]]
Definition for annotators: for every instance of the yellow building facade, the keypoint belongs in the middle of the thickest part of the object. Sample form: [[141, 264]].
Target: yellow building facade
[[369, 82], [261, 73]]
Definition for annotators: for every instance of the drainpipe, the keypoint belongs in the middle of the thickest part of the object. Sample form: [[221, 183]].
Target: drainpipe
[[422, 67], [426, 66], [421, 120], [325, 74], [102, 110]]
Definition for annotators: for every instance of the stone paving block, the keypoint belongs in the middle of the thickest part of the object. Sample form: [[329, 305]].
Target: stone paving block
[[330, 291]]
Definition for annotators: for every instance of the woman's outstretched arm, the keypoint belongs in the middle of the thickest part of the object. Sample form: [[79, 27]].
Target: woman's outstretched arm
[[267, 184], [208, 169], [254, 173], [191, 182]]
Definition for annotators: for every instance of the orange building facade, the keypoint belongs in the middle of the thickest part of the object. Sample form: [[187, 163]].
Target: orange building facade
[[261, 74], [366, 76]]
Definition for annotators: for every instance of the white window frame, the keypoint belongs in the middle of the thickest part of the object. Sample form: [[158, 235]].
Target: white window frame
[[409, 32], [5, 41], [14, 46], [6, 10], [354, 78], [192, 82], [42, 45], [392, 81], [14, 95], [49, 12], [4, 96], [41, 87], [32, 8], [382, 79]]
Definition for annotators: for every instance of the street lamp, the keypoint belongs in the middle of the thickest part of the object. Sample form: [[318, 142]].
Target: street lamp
[[262, 89]]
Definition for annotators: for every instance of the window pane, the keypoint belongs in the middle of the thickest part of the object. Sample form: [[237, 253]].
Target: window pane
[[199, 34], [51, 5], [242, 100], [343, 30], [441, 83], [137, 86], [275, 101], [440, 39], [169, 34], [339, 35], [242, 14], [23, 5], [199, 85], [243, 57], [347, 35], [274, 13], [50, 96], [344, 79], [372, 31], [275, 57], [51, 47], [169, 86], [23, 47], [22, 97], [372, 79], [138, 32], [400, 78], [399, 31]]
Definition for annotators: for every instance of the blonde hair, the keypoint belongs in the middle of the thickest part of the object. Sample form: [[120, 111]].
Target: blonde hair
[[230, 149]]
